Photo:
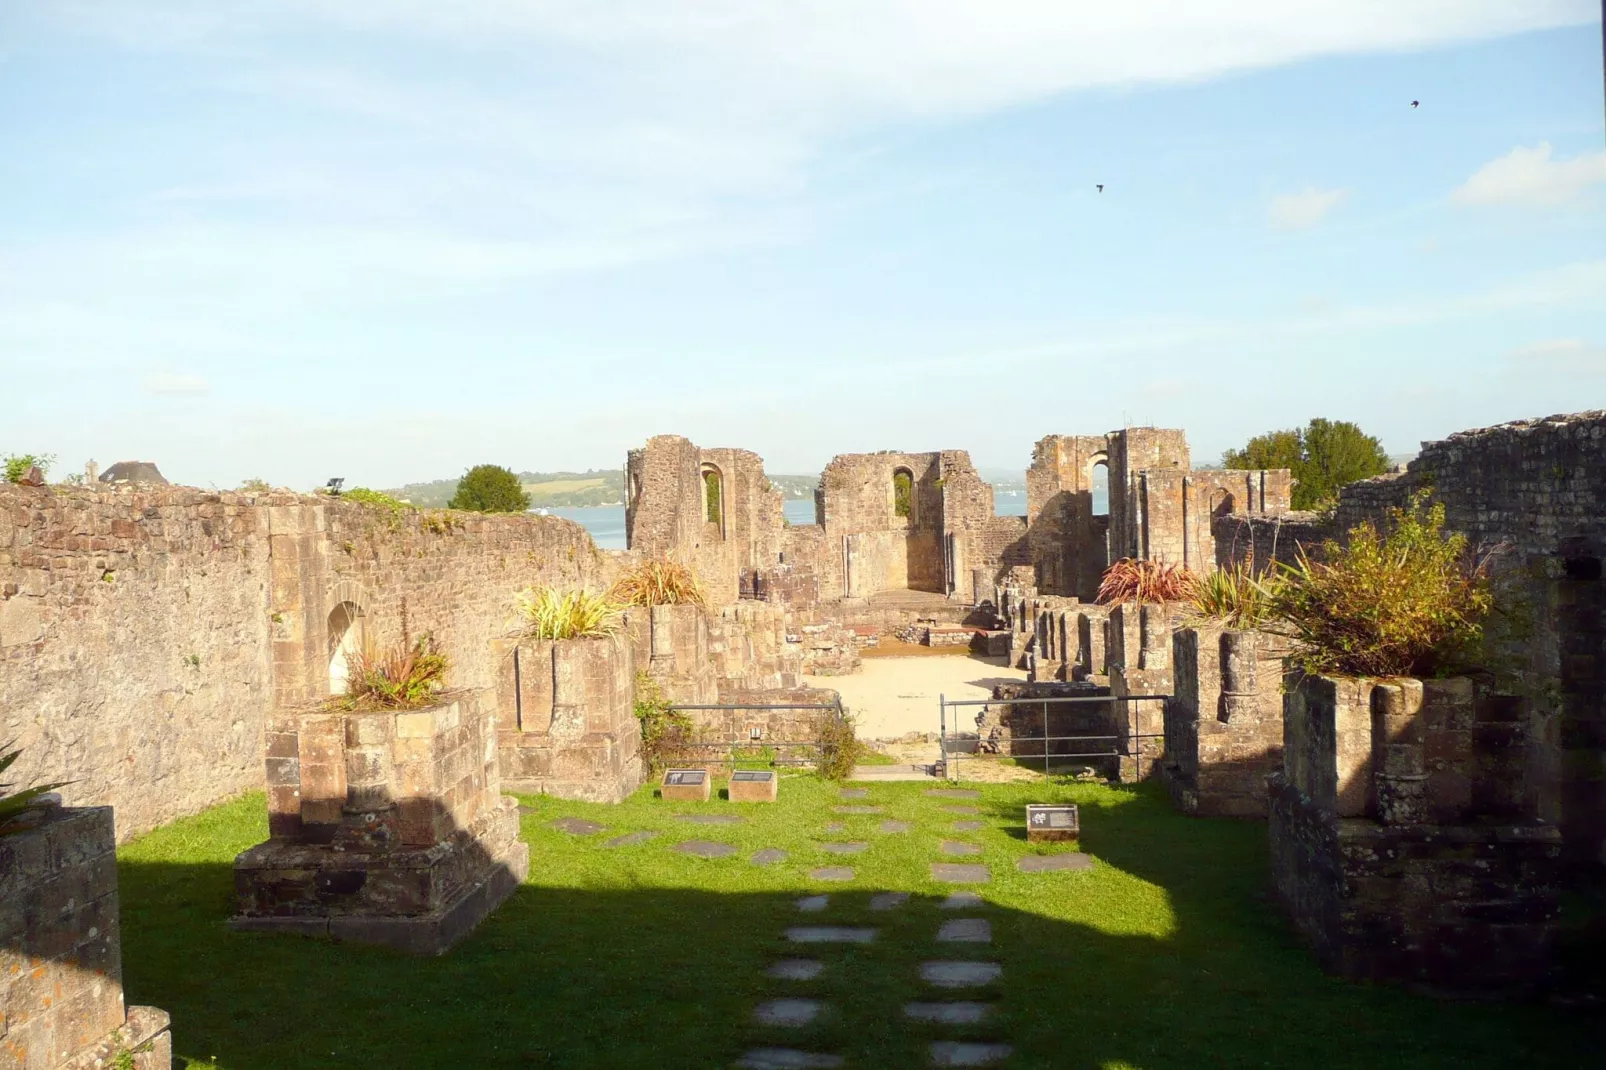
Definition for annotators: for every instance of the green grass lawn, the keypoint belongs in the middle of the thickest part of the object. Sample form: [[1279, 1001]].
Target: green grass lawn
[[1167, 954]]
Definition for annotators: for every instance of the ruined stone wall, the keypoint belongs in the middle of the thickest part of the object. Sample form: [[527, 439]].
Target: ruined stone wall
[[1263, 539], [1066, 540], [884, 551], [1539, 488], [146, 632]]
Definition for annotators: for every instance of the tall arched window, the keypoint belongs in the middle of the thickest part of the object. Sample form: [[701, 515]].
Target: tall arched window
[[903, 493], [713, 497], [345, 643]]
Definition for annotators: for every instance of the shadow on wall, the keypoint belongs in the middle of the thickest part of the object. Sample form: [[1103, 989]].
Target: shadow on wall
[[568, 976]]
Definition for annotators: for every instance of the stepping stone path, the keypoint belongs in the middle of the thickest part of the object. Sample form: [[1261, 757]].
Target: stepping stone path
[[961, 901], [787, 1059], [851, 847], [837, 826], [829, 934], [577, 826], [961, 810], [712, 819], [1054, 863], [895, 826], [953, 793], [528, 809], [832, 873], [960, 974], [813, 904], [967, 1053], [855, 793], [888, 900], [630, 839], [857, 809], [706, 848], [963, 1012], [966, 931], [969, 826], [796, 970], [769, 856], [960, 873], [791, 1013], [954, 847]]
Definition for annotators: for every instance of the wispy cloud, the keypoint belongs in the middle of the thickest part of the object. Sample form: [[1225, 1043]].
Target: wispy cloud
[[1559, 356], [1532, 176], [167, 384], [1305, 209]]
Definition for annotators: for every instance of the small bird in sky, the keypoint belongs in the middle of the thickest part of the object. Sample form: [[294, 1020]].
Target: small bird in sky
[[1414, 103], [1101, 187]]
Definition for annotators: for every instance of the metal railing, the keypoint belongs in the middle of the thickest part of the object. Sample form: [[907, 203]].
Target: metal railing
[[759, 742], [1123, 746]]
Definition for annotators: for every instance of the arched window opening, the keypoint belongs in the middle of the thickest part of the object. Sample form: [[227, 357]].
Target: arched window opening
[[346, 636], [1221, 503], [903, 493], [1100, 485], [713, 497]]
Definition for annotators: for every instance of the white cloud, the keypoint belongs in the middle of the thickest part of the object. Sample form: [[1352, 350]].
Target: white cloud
[[170, 385], [1558, 356], [1532, 176], [1297, 211]]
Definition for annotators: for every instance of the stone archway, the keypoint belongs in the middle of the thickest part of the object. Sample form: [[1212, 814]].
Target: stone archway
[[346, 632]]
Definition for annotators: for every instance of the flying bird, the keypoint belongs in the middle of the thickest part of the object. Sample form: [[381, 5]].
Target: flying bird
[[1101, 187], [1414, 103]]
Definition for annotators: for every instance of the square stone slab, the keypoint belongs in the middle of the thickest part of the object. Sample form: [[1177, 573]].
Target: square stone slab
[[712, 819], [969, 826], [959, 873], [971, 810], [961, 901], [787, 1059], [577, 826], [1054, 863], [813, 904], [857, 809], [787, 1012], [851, 847], [829, 934], [831, 873], [855, 793], [960, 974], [769, 856], [968, 1053], [961, 1013], [895, 826], [952, 793], [966, 931], [706, 848], [954, 847], [795, 969], [888, 900], [630, 839]]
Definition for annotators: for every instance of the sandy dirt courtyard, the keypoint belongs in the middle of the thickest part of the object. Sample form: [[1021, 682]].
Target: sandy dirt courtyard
[[891, 697]]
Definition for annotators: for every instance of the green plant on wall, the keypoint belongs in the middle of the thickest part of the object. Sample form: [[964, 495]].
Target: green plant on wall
[[552, 614], [18, 464], [664, 731], [15, 804]]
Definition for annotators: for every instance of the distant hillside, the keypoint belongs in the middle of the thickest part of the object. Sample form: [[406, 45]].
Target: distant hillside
[[591, 487]]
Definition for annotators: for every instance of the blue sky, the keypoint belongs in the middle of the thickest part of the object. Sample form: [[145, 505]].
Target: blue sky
[[388, 239]]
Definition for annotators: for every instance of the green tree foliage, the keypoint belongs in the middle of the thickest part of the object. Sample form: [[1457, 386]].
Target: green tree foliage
[[1324, 456], [711, 497], [490, 488], [17, 464], [903, 493]]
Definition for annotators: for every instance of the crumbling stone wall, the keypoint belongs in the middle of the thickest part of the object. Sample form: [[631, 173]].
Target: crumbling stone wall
[[146, 632], [1264, 539]]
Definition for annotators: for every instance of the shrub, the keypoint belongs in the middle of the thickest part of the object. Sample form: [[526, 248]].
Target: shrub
[[1235, 596], [255, 486], [664, 731], [17, 465], [552, 614], [490, 488], [1133, 580], [840, 747], [376, 498], [396, 678], [15, 804], [658, 582], [1408, 600]]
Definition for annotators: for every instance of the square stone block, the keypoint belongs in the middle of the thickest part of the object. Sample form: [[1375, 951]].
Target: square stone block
[[751, 785], [686, 785]]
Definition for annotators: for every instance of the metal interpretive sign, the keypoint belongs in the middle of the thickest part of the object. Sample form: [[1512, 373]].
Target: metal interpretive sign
[[753, 785], [685, 785], [1050, 822]]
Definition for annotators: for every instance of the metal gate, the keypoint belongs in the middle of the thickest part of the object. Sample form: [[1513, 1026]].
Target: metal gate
[[1123, 747]]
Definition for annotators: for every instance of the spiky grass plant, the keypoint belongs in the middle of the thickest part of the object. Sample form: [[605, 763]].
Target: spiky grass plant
[[1406, 599], [1235, 597], [658, 581], [401, 677], [16, 804], [1134, 580], [552, 614]]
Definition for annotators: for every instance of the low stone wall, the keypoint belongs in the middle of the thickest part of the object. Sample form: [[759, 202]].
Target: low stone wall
[[61, 970], [717, 732], [566, 722], [1400, 845], [1224, 727], [1139, 659], [1016, 729]]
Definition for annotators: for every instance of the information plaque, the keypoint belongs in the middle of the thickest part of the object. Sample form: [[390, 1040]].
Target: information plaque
[[753, 785], [1051, 822], [685, 785]]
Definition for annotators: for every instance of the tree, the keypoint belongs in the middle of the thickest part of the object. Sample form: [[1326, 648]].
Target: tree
[[1323, 456], [490, 488]]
